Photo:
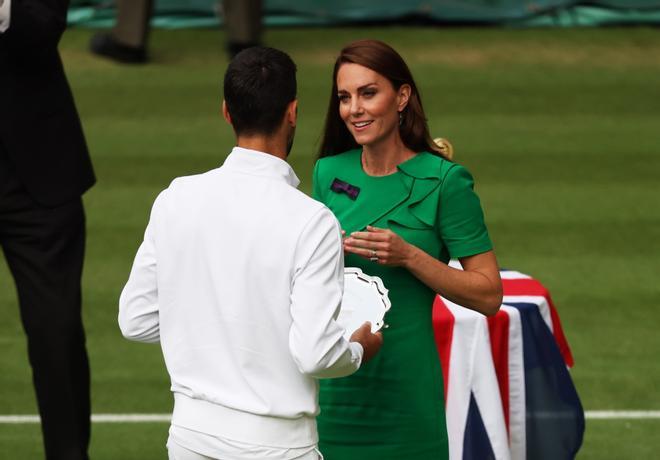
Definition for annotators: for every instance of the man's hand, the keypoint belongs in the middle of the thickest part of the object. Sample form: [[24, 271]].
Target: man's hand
[[371, 343]]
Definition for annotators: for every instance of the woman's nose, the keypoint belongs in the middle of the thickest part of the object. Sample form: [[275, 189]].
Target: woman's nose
[[356, 106]]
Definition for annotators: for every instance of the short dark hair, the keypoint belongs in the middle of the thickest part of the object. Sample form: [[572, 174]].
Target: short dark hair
[[382, 59], [260, 82]]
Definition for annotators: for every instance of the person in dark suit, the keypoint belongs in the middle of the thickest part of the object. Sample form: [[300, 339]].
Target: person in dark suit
[[127, 41], [44, 169]]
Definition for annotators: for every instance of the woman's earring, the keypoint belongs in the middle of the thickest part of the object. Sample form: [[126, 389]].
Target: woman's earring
[[400, 118]]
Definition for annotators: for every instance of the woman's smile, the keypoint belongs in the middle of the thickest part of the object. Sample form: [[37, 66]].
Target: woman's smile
[[361, 125]]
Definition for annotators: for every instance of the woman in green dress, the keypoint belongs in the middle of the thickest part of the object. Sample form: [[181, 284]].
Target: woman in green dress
[[405, 210]]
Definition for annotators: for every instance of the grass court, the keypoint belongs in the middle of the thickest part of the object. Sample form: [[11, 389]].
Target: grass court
[[560, 128]]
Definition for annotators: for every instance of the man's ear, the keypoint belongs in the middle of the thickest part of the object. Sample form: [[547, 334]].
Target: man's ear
[[225, 112], [292, 113]]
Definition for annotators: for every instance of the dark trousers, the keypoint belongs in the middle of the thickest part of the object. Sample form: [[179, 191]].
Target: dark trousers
[[44, 248], [242, 21], [133, 22]]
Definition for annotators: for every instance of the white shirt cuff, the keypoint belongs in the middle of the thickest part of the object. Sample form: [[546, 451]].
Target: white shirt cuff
[[5, 7], [357, 352]]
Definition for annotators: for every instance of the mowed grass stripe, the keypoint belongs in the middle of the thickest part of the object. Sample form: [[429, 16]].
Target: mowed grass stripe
[[96, 418], [157, 418]]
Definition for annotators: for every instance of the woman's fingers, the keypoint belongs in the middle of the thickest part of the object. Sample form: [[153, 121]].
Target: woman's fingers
[[369, 254], [381, 235], [366, 245], [376, 244], [369, 236], [377, 229], [374, 251], [357, 241]]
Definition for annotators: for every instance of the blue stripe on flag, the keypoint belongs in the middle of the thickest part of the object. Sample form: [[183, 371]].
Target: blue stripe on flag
[[476, 445], [554, 414]]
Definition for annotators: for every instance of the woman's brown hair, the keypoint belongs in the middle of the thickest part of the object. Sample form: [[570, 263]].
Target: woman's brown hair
[[383, 59]]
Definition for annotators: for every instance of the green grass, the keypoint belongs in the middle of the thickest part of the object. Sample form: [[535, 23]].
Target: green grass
[[559, 127]]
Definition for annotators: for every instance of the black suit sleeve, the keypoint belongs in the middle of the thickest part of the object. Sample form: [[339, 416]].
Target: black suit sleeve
[[36, 26], [40, 130]]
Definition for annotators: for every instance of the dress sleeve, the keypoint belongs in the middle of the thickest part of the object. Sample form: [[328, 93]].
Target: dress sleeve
[[460, 217]]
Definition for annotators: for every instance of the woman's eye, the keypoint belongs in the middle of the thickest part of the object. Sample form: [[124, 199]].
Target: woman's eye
[[342, 97], [369, 93]]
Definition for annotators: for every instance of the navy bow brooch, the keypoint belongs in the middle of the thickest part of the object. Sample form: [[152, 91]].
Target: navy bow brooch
[[339, 186]]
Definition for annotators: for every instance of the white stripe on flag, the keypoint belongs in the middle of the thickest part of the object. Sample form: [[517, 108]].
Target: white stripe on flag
[[517, 420], [513, 275]]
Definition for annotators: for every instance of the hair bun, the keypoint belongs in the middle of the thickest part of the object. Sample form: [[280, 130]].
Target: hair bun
[[445, 147]]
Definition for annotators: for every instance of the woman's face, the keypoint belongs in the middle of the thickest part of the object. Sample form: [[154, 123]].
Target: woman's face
[[369, 104]]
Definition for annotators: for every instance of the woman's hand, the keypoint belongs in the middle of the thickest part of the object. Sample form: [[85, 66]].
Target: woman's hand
[[379, 245], [478, 286]]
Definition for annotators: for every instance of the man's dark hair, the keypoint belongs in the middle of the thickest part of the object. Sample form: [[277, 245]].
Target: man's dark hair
[[260, 83]]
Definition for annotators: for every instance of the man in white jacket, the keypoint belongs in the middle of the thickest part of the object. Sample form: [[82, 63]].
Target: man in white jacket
[[240, 278]]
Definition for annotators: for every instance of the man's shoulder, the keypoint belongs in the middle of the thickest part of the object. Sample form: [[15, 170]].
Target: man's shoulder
[[285, 196], [192, 180], [303, 203], [183, 188]]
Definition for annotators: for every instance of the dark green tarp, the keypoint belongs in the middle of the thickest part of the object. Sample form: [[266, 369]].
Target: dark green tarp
[[188, 13]]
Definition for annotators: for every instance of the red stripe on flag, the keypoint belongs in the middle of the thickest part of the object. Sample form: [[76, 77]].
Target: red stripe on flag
[[443, 328], [525, 286], [498, 327]]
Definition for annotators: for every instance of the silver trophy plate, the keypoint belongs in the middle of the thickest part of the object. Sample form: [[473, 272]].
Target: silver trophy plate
[[365, 299]]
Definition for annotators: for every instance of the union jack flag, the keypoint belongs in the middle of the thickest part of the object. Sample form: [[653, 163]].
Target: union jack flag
[[508, 392]]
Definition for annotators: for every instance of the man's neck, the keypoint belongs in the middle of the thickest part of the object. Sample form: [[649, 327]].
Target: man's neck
[[270, 145]]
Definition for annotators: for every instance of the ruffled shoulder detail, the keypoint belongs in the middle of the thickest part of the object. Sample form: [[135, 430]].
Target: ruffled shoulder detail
[[426, 165], [427, 171]]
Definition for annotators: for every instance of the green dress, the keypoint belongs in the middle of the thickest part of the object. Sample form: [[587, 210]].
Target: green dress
[[393, 406]]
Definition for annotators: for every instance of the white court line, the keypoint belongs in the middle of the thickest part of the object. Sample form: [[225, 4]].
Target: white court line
[[150, 418], [621, 414]]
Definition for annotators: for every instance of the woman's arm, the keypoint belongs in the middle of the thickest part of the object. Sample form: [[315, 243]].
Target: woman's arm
[[478, 286]]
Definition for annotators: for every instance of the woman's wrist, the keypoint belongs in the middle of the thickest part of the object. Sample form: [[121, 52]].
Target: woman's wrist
[[411, 256]]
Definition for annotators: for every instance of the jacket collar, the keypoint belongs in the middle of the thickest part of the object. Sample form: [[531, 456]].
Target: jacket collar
[[262, 164]]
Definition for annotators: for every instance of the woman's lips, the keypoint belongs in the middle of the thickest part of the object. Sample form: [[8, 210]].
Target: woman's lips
[[361, 125]]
